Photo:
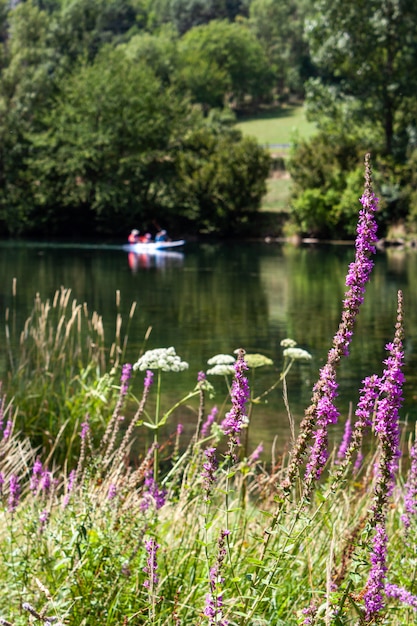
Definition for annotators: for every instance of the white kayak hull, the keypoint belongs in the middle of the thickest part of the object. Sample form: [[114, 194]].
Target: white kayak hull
[[152, 246]]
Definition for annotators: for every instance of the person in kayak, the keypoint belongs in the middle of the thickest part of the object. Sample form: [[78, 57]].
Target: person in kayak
[[134, 236], [161, 236]]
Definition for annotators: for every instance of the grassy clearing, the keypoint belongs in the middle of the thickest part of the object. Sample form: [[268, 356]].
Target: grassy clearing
[[277, 196], [277, 125]]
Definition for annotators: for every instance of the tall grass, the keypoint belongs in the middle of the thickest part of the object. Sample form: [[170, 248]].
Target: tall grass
[[202, 531]]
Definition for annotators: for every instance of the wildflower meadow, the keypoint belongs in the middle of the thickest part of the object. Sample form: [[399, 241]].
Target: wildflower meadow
[[111, 516]]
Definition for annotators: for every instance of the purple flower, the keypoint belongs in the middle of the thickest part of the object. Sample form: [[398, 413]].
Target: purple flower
[[387, 419], [209, 421], [45, 482], [358, 462], [209, 472], [14, 493], [152, 494], [310, 613], [410, 497], [85, 427], [344, 444], [401, 594], [124, 378], [214, 599], [112, 492], [148, 379], [236, 418], [70, 486], [36, 475], [376, 580], [1, 482], [326, 413], [151, 563], [322, 410], [201, 376], [254, 457], [43, 520], [8, 429], [180, 429]]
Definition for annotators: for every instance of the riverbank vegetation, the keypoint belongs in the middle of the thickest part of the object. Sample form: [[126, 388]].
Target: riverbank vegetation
[[113, 512], [119, 114]]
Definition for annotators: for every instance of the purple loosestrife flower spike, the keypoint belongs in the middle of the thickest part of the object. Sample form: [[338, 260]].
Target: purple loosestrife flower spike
[[214, 599], [387, 418], [70, 486], [8, 429], [148, 379], [85, 427], [410, 497], [209, 421], [374, 601], [364, 412], [255, 456], [112, 492], [322, 409], [401, 594], [124, 378], [209, 472], [14, 493], [36, 475], [344, 444], [236, 418], [151, 564], [152, 495]]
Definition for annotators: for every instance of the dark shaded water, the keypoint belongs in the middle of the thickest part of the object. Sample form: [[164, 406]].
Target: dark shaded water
[[213, 299]]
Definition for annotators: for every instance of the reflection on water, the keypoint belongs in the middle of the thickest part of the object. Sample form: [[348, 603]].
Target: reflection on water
[[156, 258], [213, 299]]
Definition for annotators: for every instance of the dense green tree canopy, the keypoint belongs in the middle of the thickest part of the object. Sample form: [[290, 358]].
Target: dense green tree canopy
[[223, 61], [366, 53]]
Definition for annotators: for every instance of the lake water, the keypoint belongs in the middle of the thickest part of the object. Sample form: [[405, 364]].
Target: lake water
[[215, 298]]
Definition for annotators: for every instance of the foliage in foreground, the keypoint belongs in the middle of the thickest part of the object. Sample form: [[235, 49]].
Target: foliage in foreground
[[205, 533]]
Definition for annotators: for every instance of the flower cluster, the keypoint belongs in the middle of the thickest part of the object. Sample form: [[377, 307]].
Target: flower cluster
[[152, 494], [256, 360], [151, 566], [410, 498], [214, 599], [222, 365], [322, 410], [236, 418], [124, 378], [209, 421], [14, 493], [401, 594], [387, 418], [164, 359], [374, 600], [209, 472], [296, 354]]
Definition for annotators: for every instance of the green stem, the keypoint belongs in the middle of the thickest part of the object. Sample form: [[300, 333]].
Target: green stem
[[155, 435]]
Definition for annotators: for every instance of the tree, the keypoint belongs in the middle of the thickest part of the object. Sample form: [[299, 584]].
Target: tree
[[105, 158], [278, 24], [221, 177], [223, 56], [185, 14], [366, 54]]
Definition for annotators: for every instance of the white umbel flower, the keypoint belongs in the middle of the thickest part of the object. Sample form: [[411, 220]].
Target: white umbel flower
[[297, 354], [164, 359], [221, 359]]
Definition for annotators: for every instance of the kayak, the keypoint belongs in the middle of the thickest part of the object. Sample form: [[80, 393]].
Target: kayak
[[152, 246]]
